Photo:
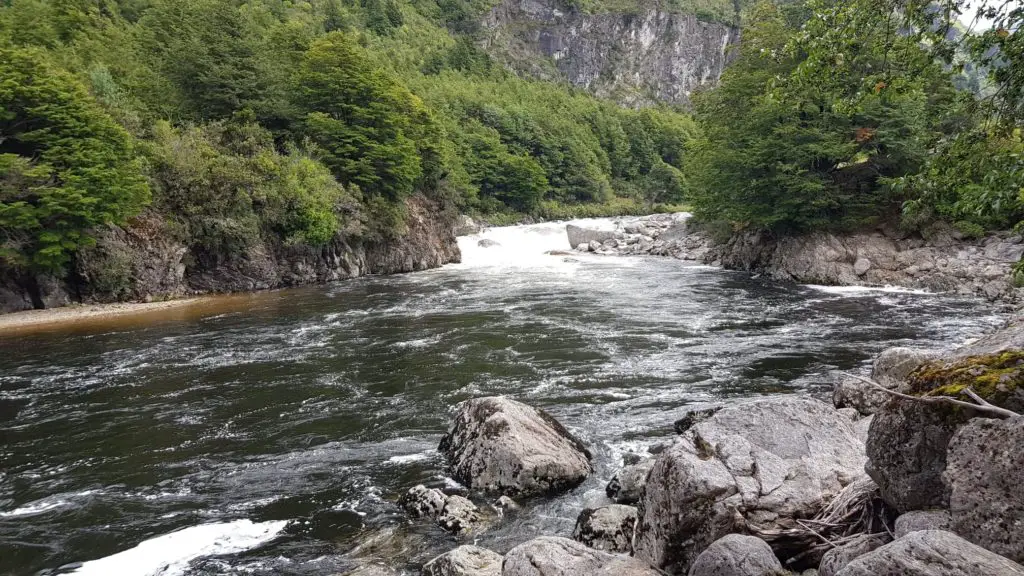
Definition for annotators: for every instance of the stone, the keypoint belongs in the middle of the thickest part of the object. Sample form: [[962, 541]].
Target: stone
[[453, 513], [465, 561], [556, 556], [371, 570], [931, 553], [595, 246], [892, 367], [578, 235], [837, 558], [762, 464], [583, 247], [985, 473], [692, 417], [496, 444], [609, 528], [627, 485], [859, 395], [506, 504], [421, 501], [466, 226], [553, 556], [917, 520], [737, 555], [861, 266], [488, 243]]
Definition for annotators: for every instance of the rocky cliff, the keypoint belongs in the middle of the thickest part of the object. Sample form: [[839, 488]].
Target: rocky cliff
[[146, 261], [637, 58]]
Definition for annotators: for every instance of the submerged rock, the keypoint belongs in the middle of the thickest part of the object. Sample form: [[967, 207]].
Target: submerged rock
[[692, 417], [499, 445], [737, 555], [609, 528], [985, 474], [760, 464], [627, 485], [931, 553], [465, 561], [488, 243]]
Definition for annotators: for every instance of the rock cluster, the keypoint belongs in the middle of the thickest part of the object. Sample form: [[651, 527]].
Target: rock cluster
[[453, 513], [657, 235]]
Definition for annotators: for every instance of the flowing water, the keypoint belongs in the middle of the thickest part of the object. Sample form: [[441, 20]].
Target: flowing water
[[271, 433]]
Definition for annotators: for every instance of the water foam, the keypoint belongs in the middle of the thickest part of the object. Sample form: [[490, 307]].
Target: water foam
[[526, 246], [170, 554]]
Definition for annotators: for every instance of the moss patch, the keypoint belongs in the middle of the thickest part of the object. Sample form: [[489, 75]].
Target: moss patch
[[998, 378]]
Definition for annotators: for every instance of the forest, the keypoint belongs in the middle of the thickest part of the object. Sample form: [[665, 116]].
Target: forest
[[308, 119]]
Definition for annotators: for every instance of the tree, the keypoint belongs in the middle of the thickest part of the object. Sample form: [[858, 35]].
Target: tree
[[66, 166], [360, 116]]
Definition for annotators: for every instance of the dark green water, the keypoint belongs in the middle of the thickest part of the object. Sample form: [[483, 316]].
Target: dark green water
[[279, 431]]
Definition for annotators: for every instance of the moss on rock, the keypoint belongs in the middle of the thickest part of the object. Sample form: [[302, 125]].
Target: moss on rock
[[998, 378]]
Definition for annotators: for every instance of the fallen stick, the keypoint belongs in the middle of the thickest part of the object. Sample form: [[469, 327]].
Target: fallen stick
[[981, 406]]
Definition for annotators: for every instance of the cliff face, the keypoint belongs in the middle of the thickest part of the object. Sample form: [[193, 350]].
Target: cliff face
[[638, 58], [144, 262]]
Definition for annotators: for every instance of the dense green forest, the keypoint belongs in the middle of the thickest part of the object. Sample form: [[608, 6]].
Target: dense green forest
[[302, 120], [841, 115], [299, 120]]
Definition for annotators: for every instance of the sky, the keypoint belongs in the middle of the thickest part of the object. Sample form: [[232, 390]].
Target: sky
[[968, 16]]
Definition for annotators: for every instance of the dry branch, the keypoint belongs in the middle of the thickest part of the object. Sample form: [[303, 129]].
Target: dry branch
[[981, 406]]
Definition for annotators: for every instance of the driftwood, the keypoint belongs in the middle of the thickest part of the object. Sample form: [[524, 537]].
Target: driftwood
[[979, 404], [858, 510]]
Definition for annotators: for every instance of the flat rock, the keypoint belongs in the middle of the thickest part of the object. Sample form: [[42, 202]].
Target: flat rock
[[627, 485], [917, 520], [553, 556], [578, 235], [985, 473], [465, 561], [609, 528], [758, 464], [499, 445], [737, 555], [931, 553]]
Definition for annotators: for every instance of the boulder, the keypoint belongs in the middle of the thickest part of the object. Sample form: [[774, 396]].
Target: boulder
[[453, 513], [499, 445], [466, 226], [861, 266], [627, 485], [918, 520], [837, 558], [555, 556], [488, 243], [737, 555], [758, 465], [893, 366], [931, 553], [985, 474], [609, 528], [578, 235], [371, 570], [465, 561], [857, 394]]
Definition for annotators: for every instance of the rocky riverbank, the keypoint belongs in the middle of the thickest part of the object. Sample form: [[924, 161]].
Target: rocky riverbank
[[914, 471], [940, 260], [146, 262]]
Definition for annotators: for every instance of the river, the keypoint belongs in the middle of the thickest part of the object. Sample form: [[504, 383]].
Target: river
[[272, 433]]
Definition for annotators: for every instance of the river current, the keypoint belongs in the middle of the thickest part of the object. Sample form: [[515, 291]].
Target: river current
[[272, 433]]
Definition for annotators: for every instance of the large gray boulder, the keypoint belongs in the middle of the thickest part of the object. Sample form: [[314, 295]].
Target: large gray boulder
[[737, 555], [985, 473], [917, 520], [892, 367], [578, 235], [931, 553], [465, 561], [754, 466], [609, 528], [839, 557], [499, 445], [627, 485], [906, 450], [466, 226], [555, 556]]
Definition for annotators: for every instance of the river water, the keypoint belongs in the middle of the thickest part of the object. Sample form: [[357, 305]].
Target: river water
[[271, 433]]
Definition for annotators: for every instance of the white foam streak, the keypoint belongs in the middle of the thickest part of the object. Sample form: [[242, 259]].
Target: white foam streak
[[859, 290], [170, 554]]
